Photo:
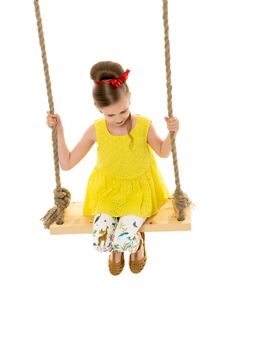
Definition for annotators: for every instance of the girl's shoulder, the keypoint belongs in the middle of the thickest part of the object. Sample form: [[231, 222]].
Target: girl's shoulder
[[91, 131], [144, 120], [92, 128]]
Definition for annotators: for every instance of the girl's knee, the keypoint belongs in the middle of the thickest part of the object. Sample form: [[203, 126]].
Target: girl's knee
[[125, 241], [102, 249]]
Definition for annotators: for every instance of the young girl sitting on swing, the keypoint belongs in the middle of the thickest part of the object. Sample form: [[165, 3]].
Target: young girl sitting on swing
[[126, 186]]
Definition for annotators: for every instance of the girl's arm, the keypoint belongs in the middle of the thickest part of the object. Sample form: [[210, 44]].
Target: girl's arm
[[82, 148], [154, 140], [172, 125], [166, 146], [63, 152], [67, 159], [163, 147]]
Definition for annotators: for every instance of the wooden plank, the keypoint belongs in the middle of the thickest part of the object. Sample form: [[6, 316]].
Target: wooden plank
[[164, 220]]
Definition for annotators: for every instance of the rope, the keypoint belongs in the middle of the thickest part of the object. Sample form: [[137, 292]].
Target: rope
[[180, 200], [61, 195]]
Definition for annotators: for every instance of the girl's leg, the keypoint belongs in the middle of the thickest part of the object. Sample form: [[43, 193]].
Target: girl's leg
[[126, 235], [103, 228]]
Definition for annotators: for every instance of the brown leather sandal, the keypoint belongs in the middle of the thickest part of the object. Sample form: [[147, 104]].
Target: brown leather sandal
[[136, 265], [116, 267]]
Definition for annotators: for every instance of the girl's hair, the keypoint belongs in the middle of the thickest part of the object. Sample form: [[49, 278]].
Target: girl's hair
[[106, 94]]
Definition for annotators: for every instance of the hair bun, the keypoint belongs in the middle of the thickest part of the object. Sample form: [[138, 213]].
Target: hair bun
[[106, 70]]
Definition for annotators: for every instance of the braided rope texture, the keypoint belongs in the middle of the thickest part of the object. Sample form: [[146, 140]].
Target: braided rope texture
[[61, 195], [180, 200]]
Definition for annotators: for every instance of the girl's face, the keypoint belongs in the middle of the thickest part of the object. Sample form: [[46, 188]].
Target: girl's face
[[116, 114]]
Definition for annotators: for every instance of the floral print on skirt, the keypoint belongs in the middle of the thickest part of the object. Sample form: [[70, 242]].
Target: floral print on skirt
[[116, 233]]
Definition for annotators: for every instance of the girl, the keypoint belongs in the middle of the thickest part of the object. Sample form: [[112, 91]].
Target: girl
[[126, 186]]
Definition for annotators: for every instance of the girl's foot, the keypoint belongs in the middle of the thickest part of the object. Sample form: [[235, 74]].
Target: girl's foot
[[139, 258], [117, 256], [116, 265], [140, 251]]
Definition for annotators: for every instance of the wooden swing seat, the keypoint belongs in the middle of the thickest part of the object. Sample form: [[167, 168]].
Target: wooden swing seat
[[164, 220]]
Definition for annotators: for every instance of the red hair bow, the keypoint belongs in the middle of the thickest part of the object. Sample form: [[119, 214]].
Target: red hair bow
[[116, 82]]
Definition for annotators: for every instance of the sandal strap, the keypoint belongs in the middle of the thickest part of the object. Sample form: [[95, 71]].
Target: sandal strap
[[142, 241], [136, 253], [116, 267]]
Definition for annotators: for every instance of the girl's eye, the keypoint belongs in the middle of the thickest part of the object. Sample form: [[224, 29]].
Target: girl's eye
[[111, 115]]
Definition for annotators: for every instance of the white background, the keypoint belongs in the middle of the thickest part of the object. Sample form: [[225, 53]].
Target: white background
[[200, 289]]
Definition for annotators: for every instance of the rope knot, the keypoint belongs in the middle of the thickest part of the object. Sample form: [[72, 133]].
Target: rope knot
[[62, 197], [180, 202]]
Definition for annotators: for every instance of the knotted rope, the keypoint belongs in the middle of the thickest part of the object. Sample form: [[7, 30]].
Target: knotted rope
[[61, 195], [180, 200]]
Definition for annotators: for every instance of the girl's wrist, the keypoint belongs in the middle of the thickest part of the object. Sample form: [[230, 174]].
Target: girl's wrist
[[59, 127]]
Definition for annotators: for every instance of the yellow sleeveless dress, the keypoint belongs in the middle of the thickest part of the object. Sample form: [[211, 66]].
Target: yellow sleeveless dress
[[125, 180]]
